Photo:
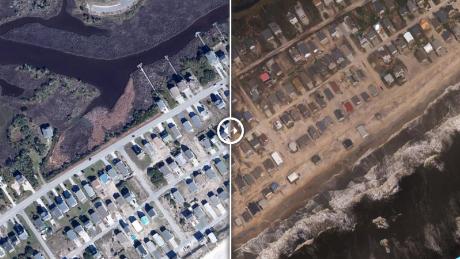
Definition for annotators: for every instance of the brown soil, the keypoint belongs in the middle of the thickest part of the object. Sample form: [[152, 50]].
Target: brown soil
[[104, 120], [91, 129]]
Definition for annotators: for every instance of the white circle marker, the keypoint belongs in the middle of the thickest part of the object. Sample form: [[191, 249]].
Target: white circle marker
[[228, 140]]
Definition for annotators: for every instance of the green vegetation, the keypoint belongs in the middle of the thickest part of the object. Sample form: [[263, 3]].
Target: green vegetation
[[64, 86], [139, 116], [365, 18], [156, 177], [54, 83], [401, 2], [94, 168], [4, 203], [26, 248], [24, 137], [201, 68], [140, 163], [23, 134], [164, 92], [35, 72]]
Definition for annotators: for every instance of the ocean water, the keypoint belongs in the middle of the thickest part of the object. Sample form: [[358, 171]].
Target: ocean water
[[412, 181], [421, 217]]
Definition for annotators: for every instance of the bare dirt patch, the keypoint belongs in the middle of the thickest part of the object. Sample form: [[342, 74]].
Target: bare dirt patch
[[104, 120]]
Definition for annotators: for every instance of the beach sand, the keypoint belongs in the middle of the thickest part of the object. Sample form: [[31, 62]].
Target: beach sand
[[398, 107]]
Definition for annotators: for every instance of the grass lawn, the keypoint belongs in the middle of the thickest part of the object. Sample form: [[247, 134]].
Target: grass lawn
[[5, 118], [143, 163], [31, 241], [94, 168]]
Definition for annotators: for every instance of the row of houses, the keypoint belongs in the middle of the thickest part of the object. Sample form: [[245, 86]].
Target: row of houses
[[14, 238]]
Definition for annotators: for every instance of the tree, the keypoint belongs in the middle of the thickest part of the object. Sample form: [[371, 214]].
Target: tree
[[156, 177]]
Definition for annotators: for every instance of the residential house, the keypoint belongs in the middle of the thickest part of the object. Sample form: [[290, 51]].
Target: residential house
[[177, 196], [456, 31], [321, 35], [95, 218], [221, 166], [88, 189], [55, 211], [409, 38], [350, 25], [69, 199], [438, 48], [295, 54], [390, 4], [267, 36], [436, 24], [47, 131], [378, 8], [300, 12], [421, 56], [168, 237], [318, 4], [333, 31], [294, 21], [303, 49], [412, 7], [72, 236], [388, 26], [20, 231]]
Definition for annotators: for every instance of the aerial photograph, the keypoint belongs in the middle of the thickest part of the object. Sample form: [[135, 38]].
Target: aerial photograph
[[351, 112], [109, 114]]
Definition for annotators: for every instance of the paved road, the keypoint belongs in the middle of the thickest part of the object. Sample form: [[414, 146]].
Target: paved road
[[38, 236], [154, 197], [103, 153], [118, 6], [301, 36]]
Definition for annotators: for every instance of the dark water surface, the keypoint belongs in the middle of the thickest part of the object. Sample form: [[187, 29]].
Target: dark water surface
[[243, 5], [110, 76], [422, 212]]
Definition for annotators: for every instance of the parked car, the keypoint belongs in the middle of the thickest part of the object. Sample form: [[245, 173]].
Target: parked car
[[356, 101], [365, 96], [315, 159], [347, 143], [328, 93], [339, 115], [313, 132]]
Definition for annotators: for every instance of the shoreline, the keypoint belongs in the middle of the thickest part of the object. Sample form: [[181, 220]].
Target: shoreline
[[402, 165], [328, 178]]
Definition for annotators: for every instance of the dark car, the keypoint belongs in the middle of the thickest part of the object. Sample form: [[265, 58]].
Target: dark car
[[328, 93], [356, 101], [313, 132], [315, 159], [347, 143], [339, 115], [365, 96]]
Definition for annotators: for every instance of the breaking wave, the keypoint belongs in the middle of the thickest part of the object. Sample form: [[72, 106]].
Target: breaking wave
[[375, 177]]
